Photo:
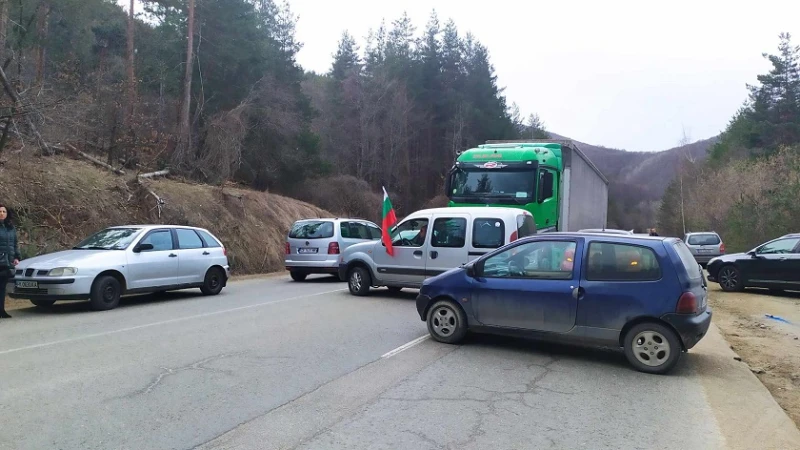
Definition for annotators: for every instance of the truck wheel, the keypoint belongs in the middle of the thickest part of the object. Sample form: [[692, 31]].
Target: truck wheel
[[447, 322], [214, 281], [730, 279], [106, 292], [43, 303], [359, 281], [652, 348]]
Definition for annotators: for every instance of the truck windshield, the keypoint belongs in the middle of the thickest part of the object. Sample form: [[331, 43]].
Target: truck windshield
[[496, 184]]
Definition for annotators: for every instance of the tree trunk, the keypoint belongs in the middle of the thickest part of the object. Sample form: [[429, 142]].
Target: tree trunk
[[42, 22], [184, 128], [131, 91], [3, 28]]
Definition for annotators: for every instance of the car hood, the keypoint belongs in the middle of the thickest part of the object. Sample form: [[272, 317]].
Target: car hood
[[731, 257], [71, 258]]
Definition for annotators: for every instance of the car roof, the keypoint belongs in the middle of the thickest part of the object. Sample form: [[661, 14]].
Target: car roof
[[151, 226], [333, 219], [604, 236], [477, 210], [701, 232]]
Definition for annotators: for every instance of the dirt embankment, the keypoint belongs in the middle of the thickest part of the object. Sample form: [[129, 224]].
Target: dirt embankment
[[58, 201], [769, 345]]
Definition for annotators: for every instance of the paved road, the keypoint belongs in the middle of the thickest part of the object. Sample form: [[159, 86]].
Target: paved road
[[276, 364]]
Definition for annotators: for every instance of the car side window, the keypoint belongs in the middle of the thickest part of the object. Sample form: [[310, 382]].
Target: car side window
[[210, 241], [779, 246], [344, 230], [449, 232], [160, 239], [488, 233], [544, 260], [188, 239], [411, 233], [358, 230], [374, 232], [621, 262]]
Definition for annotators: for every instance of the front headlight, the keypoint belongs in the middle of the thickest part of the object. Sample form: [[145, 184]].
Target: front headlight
[[63, 272]]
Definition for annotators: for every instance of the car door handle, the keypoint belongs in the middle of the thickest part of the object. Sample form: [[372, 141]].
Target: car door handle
[[173, 255], [418, 253], [577, 293], [206, 253], [434, 254]]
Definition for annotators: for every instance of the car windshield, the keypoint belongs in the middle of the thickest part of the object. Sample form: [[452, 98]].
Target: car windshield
[[495, 183], [109, 239], [703, 239]]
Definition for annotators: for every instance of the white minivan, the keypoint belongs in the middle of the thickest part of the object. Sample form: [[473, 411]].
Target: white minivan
[[429, 242]]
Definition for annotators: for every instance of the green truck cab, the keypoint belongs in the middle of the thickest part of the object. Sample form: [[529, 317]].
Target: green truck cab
[[551, 179]]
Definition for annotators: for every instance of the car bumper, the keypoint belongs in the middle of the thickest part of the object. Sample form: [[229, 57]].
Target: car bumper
[[73, 288], [704, 259], [690, 328], [326, 266]]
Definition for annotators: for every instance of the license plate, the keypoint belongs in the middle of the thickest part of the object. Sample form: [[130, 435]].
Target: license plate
[[307, 250], [27, 284], [704, 250]]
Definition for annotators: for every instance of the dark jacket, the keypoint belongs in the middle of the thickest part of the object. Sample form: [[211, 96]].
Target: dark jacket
[[9, 244]]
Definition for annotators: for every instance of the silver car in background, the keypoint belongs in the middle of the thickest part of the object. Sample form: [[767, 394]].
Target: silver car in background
[[313, 246], [704, 246], [125, 260]]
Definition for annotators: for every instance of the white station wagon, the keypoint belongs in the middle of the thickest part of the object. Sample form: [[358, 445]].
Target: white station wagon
[[125, 260]]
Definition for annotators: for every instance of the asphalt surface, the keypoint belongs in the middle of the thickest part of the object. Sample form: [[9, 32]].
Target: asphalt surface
[[271, 363]]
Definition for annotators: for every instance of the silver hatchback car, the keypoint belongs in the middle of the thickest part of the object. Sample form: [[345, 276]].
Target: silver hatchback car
[[124, 260], [704, 246], [314, 245]]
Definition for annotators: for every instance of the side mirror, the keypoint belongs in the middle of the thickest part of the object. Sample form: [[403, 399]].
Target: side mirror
[[752, 254], [471, 270], [143, 248]]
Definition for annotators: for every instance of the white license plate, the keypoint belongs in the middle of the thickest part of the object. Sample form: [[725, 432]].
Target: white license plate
[[704, 250], [27, 284], [307, 250]]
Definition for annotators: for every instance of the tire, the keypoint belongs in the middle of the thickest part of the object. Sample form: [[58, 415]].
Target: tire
[[447, 322], [652, 348], [43, 303], [359, 281], [298, 276], [394, 289], [106, 292], [213, 282], [730, 279]]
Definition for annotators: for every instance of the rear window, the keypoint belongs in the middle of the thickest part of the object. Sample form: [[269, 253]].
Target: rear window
[[312, 229], [621, 262], [703, 239], [488, 233], [525, 226], [689, 263]]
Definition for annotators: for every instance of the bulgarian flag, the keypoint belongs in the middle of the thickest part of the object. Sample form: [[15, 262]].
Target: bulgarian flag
[[389, 219]]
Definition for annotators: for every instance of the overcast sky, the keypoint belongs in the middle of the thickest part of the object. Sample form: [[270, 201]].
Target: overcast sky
[[618, 73], [624, 74]]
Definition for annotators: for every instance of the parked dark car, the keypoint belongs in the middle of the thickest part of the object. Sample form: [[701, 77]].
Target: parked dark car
[[773, 265], [646, 295]]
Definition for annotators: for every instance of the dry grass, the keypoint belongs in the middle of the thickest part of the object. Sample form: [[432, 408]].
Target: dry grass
[[58, 201]]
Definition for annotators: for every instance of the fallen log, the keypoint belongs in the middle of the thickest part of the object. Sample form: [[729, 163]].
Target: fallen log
[[96, 161], [159, 173]]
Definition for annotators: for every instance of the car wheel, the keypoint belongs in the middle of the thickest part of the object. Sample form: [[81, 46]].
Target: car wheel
[[394, 289], [43, 303], [652, 348], [359, 281], [298, 276], [730, 279], [106, 292], [447, 322], [214, 281]]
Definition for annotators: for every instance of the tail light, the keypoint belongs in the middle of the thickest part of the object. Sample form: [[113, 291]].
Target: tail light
[[514, 237], [687, 304], [722, 247], [288, 249], [333, 248]]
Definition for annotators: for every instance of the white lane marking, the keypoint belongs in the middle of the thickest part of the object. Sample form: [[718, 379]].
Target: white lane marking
[[164, 322], [406, 346]]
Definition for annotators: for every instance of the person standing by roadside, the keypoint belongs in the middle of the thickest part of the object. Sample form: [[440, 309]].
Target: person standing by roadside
[[9, 256]]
